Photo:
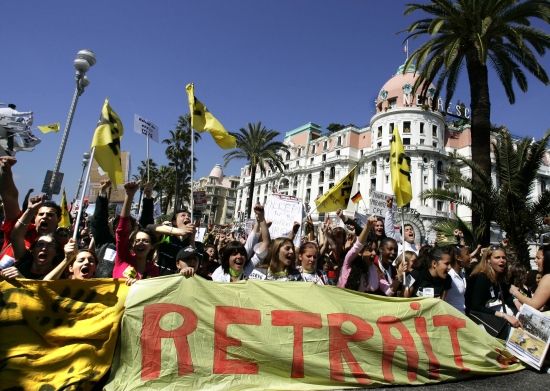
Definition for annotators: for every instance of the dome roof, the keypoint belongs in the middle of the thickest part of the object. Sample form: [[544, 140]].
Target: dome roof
[[399, 85], [217, 172]]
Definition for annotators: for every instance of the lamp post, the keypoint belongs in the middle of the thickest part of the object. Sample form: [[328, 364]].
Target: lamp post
[[85, 160], [83, 61]]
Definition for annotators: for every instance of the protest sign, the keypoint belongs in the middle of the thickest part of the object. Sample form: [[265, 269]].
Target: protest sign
[[199, 235], [195, 334], [530, 342], [377, 202], [146, 128], [58, 334], [283, 211]]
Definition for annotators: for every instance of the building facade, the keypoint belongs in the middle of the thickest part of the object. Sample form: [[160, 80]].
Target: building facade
[[318, 159], [217, 194]]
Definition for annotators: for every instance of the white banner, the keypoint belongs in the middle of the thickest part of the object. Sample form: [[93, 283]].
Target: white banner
[[283, 211], [146, 127]]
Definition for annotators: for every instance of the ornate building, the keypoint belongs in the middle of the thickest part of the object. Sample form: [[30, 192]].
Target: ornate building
[[218, 193], [317, 159]]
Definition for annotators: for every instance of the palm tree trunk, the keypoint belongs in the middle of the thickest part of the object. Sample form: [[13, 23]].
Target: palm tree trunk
[[481, 133], [177, 190], [251, 190]]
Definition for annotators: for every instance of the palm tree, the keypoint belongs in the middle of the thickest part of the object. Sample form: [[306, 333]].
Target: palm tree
[[257, 145], [165, 186], [477, 33], [142, 171], [507, 202], [178, 153]]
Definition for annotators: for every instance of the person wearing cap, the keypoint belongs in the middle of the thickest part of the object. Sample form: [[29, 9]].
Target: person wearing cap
[[187, 261]]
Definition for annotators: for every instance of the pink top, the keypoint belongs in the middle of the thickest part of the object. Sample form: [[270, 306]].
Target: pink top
[[126, 258], [366, 285]]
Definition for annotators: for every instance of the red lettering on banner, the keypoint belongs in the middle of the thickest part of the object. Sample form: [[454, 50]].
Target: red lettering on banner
[[298, 320], [223, 318], [421, 329], [152, 334], [453, 324], [391, 343], [338, 346]]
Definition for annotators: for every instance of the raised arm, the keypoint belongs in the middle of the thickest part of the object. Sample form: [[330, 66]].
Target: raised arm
[[70, 250], [17, 237], [99, 223], [130, 188], [8, 190], [147, 208], [264, 230]]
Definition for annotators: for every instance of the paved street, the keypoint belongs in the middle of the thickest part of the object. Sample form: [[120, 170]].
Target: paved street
[[525, 380]]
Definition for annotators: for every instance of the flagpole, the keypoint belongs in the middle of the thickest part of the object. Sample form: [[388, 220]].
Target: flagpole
[[192, 171], [84, 187], [403, 239], [147, 157]]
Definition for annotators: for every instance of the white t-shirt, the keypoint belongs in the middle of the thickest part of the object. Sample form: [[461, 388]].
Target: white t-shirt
[[455, 295]]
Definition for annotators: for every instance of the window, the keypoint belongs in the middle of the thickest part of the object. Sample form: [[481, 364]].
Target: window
[[440, 167], [325, 145], [421, 127], [373, 168], [339, 143], [407, 127], [320, 190], [338, 153], [434, 144], [392, 103], [361, 153], [406, 141], [332, 172], [439, 206], [425, 180], [308, 195], [288, 156], [321, 177], [421, 141], [294, 192], [299, 152], [297, 163], [373, 184], [308, 181], [387, 179], [330, 185], [313, 148], [392, 125], [439, 184], [434, 130], [311, 161], [324, 157], [295, 181], [286, 166], [379, 145], [379, 132]]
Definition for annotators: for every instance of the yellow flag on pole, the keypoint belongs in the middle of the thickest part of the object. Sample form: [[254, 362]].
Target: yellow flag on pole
[[400, 169], [106, 142], [203, 120], [50, 128], [338, 196], [65, 221]]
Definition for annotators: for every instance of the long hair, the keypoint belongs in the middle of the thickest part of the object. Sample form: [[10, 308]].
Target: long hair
[[359, 268], [484, 266], [232, 248], [272, 259], [152, 236], [304, 246]]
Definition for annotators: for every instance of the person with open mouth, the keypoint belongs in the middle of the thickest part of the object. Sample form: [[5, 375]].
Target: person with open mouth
[[81, 264], [238, 262], [37, 262], [281, 263], [134, 250]]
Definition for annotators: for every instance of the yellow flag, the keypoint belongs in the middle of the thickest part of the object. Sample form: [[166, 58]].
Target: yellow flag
[[50, 128], [65, 221], [400, 168], [203, 120], [338, 196], [106, 141]]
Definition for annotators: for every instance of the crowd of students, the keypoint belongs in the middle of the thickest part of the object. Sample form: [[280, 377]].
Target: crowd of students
[[487, 284]]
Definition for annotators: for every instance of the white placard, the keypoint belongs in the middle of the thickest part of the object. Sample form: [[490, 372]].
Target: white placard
[[377, 205], [283, 211], [199, 235], [146, 127]]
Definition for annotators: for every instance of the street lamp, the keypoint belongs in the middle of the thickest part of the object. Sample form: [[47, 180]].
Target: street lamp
[[85, 160], [83, 61]]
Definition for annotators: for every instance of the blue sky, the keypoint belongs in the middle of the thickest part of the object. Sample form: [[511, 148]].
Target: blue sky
[[284, 62]]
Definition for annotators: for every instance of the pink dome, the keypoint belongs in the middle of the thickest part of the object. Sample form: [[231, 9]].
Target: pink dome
[[393, 92], [217, 172]]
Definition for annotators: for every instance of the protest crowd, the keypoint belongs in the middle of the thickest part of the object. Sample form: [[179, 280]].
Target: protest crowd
[[487, 284]]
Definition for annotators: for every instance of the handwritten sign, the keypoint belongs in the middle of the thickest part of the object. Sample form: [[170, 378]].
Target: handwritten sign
[[283, 211], [378, 203], [146, 127]]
